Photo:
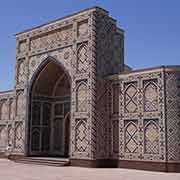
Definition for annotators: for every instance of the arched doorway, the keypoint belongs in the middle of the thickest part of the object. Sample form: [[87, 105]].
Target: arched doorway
[[49, 113]]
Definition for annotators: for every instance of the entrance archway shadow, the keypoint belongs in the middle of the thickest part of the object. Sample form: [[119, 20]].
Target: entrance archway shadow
[[49, 104]]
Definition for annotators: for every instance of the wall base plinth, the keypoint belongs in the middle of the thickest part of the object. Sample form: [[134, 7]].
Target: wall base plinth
[[83, 163], [11, 156], [150, 166], [98, 163], [15, 156], [140, 165]]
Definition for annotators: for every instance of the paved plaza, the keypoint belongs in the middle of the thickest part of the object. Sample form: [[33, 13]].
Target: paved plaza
[[14, 171]]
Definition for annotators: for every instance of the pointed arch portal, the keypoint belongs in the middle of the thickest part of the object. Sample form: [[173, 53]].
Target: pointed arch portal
[[49, 112]]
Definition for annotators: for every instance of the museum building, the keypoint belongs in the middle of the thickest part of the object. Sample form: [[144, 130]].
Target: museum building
[[74, 98]]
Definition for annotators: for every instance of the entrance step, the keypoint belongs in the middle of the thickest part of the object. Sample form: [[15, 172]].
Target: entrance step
[[44, 161]]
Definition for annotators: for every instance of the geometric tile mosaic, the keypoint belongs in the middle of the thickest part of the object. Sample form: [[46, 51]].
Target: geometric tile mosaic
[[82, 58], [150, 96], [81, 99], [131, 98], [151, 139], [131, 137], [81, 141]]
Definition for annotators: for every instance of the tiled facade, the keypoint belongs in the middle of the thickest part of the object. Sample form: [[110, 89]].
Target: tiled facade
[[141, 116], [116, 117]]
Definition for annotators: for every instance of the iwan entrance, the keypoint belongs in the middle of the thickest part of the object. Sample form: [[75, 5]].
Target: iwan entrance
[[49, 117]]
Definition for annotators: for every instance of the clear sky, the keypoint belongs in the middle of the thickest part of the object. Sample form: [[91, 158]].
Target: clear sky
[[152, 28]]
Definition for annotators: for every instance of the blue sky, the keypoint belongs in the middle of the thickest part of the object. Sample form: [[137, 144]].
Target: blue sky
[[152, 28]]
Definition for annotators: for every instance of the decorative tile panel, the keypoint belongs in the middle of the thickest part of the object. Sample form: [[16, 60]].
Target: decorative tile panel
[[21, 74], [151, 137], [83, 28], [18, 134], [22, 46], [115, 96], [64, 55], [3, 137], [3, 110], [131, 137], [12, 107], [51, 39], [81, 141], [115, 129], [150, 96], [132, 88], [81, 99], [131, 98], [10, 134], [20, 104], [82, 58]]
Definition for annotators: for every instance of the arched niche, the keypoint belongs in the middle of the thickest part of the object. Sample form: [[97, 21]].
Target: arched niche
[[49, 104]]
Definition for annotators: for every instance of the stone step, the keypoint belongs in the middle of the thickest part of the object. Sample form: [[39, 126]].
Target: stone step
[[44, 161]]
